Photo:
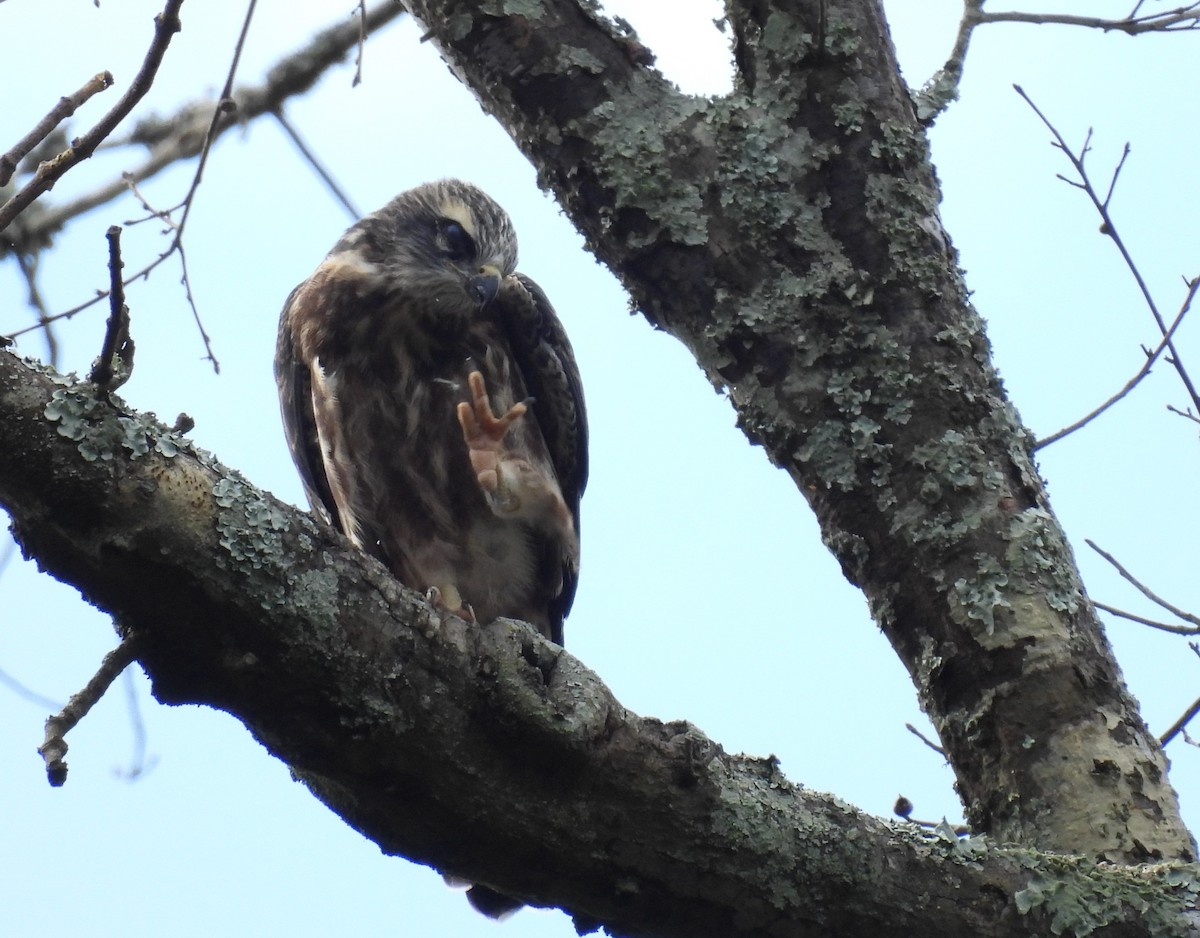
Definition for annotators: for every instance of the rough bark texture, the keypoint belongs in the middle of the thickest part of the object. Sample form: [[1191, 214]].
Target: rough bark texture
[[788, 234], [486, 751]]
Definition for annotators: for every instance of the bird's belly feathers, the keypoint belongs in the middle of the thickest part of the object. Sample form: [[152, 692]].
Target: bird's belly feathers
[[416, 503]]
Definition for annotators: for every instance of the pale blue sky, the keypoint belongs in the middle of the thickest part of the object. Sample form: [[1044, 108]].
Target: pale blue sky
[[706, 593]]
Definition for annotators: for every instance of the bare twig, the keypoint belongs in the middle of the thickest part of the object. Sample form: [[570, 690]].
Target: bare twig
[[362, 42], [186, 280], [1181, 19], [1142, 620], [29, 270], [1133, 382], [1178, 726], [30, 695], [925, 739], [942, 88], [318, 167], [166, 24], [225, 104], [55, 746], [1188, 415], [1142, 588], [138, 764], [1109, 228], [183, 135], [65, 108], [113, 367]]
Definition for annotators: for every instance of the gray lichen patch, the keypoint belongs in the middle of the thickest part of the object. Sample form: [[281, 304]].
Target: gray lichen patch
[[315, 594], [1078, 898], [1037, 551], [639, 140], [102, 431], [974, 600], [250, 527]]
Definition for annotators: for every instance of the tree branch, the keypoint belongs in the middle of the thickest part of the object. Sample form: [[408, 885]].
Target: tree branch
[[1109, 228], [1142, 587], [942, 88], [1151, 357], [54, 748], [483, 750], [181, 135], [788, 235], [166, 25], [1180, 19], [67, 105], [1142, 620]]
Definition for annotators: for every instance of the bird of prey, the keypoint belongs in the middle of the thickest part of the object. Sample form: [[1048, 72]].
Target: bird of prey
[[434, 409], [433, 406]]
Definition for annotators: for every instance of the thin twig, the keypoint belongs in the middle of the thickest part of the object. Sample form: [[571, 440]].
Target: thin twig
[[138, 764], [311, 158], [925, 739], [65, 108], [182, 135], [166, 24], [1183, 413], [113, 367], [1109, 228], [362, 42], [86, 304], [1178, 726], [30, 695], [29, 270], [942, 88], [186, 280], [1141, 587], [225, 104], [55, 747], [1181, 19], [1142, 620], [1133, 382]]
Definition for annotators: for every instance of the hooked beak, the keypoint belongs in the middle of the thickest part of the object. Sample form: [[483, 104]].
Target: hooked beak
[[483, 286]]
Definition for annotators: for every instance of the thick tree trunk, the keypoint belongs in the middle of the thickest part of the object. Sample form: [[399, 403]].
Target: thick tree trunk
[[788, 234], [485, 750]]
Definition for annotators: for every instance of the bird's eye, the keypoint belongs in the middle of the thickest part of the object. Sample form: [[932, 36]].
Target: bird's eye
[[454, 241]]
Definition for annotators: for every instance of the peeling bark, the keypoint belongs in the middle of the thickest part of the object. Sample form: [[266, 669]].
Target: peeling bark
[[788, 234]]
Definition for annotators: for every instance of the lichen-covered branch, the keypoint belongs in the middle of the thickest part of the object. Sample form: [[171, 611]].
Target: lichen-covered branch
[[788, 233], [484, 749]]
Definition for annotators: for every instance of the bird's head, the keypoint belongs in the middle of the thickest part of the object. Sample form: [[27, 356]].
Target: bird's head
[[446, 241]]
